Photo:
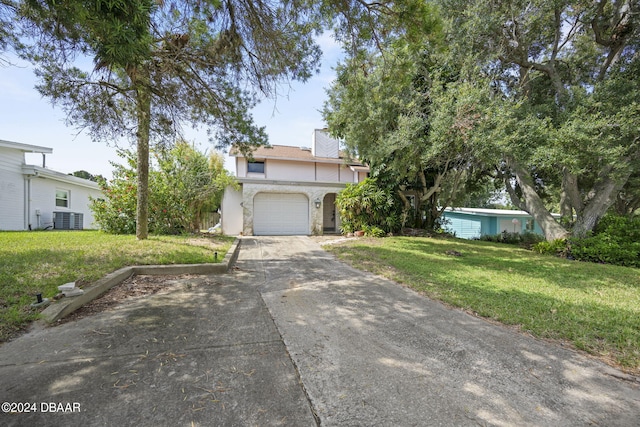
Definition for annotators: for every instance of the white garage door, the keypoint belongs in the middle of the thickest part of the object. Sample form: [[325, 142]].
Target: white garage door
[[280, 214]]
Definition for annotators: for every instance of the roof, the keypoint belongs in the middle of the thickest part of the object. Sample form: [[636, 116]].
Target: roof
[[492, 212], [359, 168], [58, 176], [286, 152], [26, 148]]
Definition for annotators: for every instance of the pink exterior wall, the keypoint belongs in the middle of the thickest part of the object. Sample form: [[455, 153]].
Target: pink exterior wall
[[346, 174], [288, 170], [292, 170], [327, 172]]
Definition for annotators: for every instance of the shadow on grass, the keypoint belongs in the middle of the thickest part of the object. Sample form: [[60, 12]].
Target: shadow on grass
[[551, 298], [503, 259]]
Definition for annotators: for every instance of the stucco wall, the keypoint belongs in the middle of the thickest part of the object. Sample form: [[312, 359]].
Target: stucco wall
[[291, 170], [241, 167], [231, 219]]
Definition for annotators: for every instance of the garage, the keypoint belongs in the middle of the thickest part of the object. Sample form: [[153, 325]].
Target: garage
[[280, 214]]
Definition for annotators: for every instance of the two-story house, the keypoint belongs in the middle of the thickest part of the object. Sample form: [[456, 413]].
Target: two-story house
[[289, 190], [35, 197]]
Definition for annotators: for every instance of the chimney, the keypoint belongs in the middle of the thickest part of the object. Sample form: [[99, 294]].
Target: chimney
[[323, 145]]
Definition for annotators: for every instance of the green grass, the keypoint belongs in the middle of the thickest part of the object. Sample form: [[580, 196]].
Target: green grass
[[594, 307], [39, 262]]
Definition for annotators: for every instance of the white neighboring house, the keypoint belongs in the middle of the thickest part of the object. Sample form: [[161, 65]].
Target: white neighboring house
[[34, 197], [289, 190]]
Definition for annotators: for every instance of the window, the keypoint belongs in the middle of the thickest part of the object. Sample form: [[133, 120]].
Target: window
[[531, 224], [255, 167], [62, 198]]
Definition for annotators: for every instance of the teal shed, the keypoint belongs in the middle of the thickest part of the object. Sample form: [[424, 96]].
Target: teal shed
[[472, 223]]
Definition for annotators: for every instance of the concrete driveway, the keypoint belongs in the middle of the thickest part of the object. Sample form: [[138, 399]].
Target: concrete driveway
[[293, 337], [371, 352]]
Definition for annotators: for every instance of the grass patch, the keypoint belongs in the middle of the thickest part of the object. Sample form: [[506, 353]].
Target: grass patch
[[595, 307], [39, 262]]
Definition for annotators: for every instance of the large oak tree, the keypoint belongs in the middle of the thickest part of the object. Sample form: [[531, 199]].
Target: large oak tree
[[554, 105], [566, 117]]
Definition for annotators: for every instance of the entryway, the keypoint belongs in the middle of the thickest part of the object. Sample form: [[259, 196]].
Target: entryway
[[329, 214]]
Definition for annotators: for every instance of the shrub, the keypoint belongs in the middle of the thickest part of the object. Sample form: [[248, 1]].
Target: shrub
[[525, 239], [606, 248], [116, 212], [616, 240], [366, 206], [373, 231], [622, 229], [183, 183], [557, 247]]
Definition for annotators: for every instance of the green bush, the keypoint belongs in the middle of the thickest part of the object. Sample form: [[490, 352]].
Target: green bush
[[616, 240], [557, 247], [623, 229], [116, 212], [366, 206], [373, 231], [606, 248], [183, 183], [525, 239]]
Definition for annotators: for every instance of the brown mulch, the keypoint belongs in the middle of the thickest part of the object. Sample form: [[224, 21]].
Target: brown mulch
[[133, 288]]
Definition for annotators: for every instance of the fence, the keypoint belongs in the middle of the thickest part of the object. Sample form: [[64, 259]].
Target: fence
[[208, 220]]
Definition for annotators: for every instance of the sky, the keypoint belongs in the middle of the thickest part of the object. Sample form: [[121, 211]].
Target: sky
[[26, 117]]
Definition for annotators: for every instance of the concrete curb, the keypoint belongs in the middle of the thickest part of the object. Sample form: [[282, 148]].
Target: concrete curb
[[67, 305]]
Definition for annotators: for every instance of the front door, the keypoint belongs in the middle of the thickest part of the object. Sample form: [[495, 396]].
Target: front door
[[329, 213]]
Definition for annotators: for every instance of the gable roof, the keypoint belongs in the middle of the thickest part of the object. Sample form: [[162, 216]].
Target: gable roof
[[286, 152], [26, 148]]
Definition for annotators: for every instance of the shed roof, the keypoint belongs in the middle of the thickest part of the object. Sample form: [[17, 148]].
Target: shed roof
[[26, 148], [493, 212], [41, 172]]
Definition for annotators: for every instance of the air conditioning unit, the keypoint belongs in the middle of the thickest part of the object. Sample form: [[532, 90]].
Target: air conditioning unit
[[67, 220]]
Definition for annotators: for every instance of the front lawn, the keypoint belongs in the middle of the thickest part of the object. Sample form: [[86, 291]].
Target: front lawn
[[39, 262], [594, 307]]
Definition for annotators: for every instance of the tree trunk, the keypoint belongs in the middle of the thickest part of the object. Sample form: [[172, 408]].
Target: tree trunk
[[406, 207], [143, 101], [570, 199], [533, 204], [417, 219], [605, 193]]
